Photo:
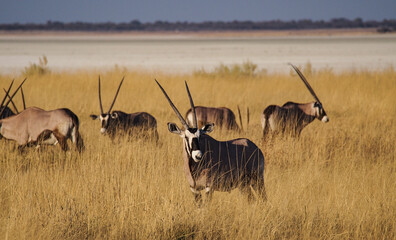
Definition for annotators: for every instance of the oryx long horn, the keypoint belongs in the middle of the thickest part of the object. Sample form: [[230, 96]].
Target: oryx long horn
[[248, 117], [12, 102], [183, 122], [100, 99], [240, 117], [5, 97], [305, 81], [23, 99], [192, 107], [10, 99], [112, 104]]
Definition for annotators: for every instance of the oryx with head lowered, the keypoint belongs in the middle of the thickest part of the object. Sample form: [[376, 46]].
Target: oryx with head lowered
[[213, 165], [223, 117], [34, 126], [291, 118], [118, 122]]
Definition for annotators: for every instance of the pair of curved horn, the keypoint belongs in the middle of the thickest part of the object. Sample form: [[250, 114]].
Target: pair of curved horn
[[305, 82], [183, 122], [12, 102], [7, 93], [112, 104], [10, 97]]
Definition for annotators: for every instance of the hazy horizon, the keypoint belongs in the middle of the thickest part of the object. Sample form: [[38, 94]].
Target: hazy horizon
[[41, 11]]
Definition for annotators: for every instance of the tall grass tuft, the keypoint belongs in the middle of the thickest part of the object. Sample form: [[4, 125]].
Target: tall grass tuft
[[37, 69], [235, 71]]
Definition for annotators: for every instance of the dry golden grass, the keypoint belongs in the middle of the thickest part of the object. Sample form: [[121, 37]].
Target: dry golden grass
[[338, 181]]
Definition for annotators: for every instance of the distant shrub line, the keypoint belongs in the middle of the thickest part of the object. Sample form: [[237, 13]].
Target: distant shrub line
[[386, 25]]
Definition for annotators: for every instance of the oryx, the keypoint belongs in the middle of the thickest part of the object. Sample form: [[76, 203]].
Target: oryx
[[292, 117], [213, 165], [223, 117], [33, 126], [118, 122]]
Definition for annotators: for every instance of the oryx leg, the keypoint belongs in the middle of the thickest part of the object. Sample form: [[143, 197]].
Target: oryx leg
[[46, 137], [21, 148], [259, 188], [50, 140], [209, 194], [156, 136], [62, 140], [245, 189], [197, 196], [77, 139]]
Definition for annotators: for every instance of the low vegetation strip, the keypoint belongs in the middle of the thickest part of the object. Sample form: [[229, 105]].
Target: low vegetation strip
[[385, 25]]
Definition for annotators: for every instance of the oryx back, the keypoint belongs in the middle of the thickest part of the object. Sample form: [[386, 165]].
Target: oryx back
[[133, 124], [223, 117]]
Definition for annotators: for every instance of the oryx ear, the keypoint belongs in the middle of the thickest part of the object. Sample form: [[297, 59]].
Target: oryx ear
[[114, 115], [208, 128], [173, 128], [94, 117]]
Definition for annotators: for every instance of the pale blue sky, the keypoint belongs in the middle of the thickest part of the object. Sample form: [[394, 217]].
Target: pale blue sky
[[40, 11]]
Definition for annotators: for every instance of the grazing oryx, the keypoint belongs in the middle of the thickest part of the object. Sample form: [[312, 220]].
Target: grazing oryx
[[213, 165], [292, 117], [33, 126], [222, 117], [118, 122]]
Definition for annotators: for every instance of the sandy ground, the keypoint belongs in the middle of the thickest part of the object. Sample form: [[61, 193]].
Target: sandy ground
[[181, 52]]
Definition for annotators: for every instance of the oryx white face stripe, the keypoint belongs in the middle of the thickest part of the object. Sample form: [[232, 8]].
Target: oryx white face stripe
[[104, 118], [192, 144], [194, 190], [190, 118]]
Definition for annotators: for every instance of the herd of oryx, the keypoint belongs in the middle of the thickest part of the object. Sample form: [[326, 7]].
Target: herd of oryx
[[209, 164]]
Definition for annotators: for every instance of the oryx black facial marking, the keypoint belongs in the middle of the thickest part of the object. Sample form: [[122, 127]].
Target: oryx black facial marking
[[321, 114]]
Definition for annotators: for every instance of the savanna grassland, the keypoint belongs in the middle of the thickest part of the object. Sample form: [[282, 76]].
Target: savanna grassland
[[338, 181]]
